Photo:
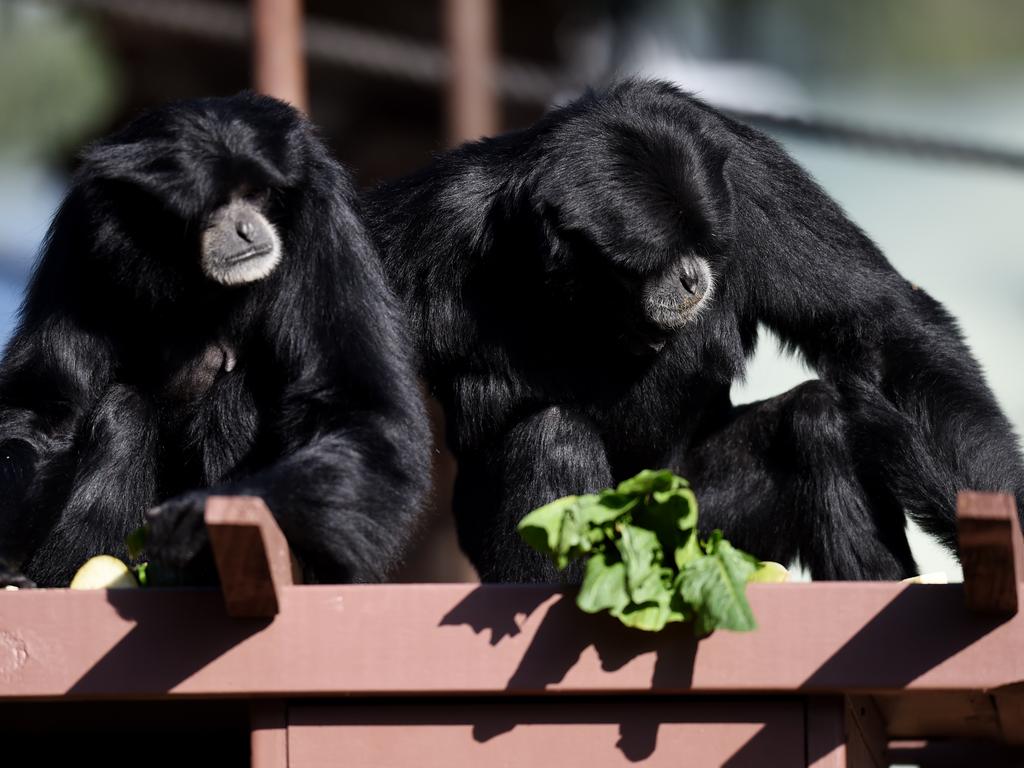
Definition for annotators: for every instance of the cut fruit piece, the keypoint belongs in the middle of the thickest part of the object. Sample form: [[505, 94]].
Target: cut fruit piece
[[938, 577], [770, 573], [103, 572]]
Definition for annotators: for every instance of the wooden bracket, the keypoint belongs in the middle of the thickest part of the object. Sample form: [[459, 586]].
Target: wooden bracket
[[991, 551], [252, 555]]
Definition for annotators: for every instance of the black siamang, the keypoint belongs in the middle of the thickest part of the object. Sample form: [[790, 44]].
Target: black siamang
[[209, 316], [585, 291]]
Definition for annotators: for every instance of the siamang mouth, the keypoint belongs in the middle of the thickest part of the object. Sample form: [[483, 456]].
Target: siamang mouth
[[249, 254], [667, 318], [646, 340]]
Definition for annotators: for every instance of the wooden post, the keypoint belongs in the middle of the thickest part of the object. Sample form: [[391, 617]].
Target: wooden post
[[252, 555], [279, 68], [268, 734], [471, 40], [991, 551]]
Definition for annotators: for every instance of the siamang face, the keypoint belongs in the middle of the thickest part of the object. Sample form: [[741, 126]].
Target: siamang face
[[192, 192], [638, 218], [239, 244], [671, 297]]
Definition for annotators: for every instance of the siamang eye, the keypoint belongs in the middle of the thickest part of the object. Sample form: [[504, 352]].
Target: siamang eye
[[257, 197]]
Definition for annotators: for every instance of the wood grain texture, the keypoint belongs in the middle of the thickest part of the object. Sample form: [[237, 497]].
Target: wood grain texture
[[252, 555], [991, 551]]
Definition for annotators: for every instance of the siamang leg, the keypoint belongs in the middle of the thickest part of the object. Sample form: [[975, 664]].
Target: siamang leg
[[780, 480], [114, 485], [552, 454]]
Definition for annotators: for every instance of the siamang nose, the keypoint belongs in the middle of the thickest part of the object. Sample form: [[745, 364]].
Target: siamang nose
[[245, 229], [690, 277]]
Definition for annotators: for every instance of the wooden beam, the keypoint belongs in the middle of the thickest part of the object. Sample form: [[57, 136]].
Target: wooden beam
[[431, 733], [940, 714], [252, 555], [991, 551], [279, 65], [812, 638]]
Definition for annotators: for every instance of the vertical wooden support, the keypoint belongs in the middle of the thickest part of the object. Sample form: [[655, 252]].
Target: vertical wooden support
[[1010, 710], [991, 551], [279, 67], [471, 40], [252, 555], [825, 732], [268, 734], [866, 738], [845, 733]]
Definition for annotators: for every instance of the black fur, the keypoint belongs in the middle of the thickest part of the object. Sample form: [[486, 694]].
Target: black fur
[[115, 394], [522, 257]]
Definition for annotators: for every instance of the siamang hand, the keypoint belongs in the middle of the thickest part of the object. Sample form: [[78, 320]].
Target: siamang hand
[[177, 544], [12, 577]]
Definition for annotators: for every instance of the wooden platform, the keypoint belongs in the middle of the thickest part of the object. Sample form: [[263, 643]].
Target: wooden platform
[[837, 674]]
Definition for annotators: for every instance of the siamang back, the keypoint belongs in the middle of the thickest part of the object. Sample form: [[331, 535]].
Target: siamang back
[[585, 292], [209, 315]]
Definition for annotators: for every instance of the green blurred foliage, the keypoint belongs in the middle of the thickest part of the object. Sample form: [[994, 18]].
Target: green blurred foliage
[[57, 83], [864, 38]]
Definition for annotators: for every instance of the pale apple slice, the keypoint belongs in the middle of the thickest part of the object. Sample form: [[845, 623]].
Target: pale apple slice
[[770, 573], [104, 572], [938, 577]]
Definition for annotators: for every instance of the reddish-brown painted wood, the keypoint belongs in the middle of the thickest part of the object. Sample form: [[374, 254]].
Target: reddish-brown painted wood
[[1010, 711], [866, 738], [268, 740], [458, 639], [543, 733], [824, 732], [920, 715], [279, 65], [471, 41], [991, 551], [252, 555], [955, 754]]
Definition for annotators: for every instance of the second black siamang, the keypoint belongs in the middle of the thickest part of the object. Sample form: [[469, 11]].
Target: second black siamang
[[585, 292], [209, 315]]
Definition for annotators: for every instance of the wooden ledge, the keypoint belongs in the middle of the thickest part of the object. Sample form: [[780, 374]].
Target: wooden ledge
[[458, 639]]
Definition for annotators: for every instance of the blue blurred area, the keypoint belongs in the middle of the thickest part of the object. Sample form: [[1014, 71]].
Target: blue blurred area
[[28, 198]]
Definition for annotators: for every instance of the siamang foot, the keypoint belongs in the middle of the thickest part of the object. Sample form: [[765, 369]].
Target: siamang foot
[[12, 577], [177, 543]]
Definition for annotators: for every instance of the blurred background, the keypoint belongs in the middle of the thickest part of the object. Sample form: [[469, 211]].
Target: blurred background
[[391, 81]]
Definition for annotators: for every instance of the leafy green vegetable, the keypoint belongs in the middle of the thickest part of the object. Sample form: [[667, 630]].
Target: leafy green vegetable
[[141, 574], [645, 564], [136, 543]]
